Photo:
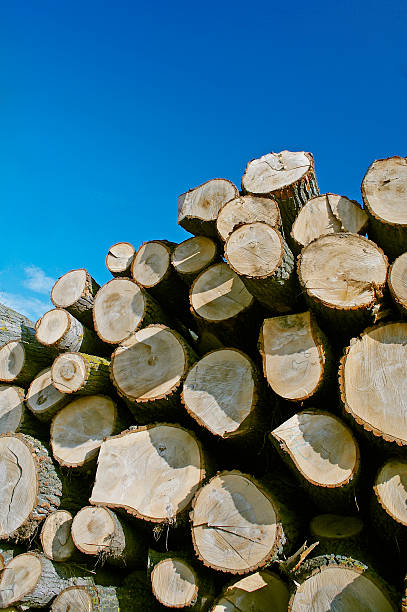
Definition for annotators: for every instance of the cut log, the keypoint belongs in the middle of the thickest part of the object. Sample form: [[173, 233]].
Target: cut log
[[13, 412], [100, 532], [259, 255], [58, 329], [75, 292], [297, 359], [323, 455], [287, 176], [237, 525], [193, 256], [22, 360], [149, 368], [389, 504], [339, 583], [328, 214], [198, 208], [343, 277], [121, 308], [119, 259], [78, 430], [398, 283], [43, 399], [162, 485], [373, 382], [384, 191], [13, 325], [222, 393], [30, 487], [244, 210], [337, 534], [262, 591], [81, 374], [56, 539]]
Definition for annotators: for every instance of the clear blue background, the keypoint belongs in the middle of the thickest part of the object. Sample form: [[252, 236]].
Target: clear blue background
[[109, 110]]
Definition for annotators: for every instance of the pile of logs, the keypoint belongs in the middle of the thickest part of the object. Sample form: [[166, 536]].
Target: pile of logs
[[222, 426]]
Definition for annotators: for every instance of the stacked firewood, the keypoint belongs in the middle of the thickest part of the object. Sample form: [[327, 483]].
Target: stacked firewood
[[223, 425]]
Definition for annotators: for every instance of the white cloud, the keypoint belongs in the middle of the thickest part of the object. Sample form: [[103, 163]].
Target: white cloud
[[31, 307], [37, 280]]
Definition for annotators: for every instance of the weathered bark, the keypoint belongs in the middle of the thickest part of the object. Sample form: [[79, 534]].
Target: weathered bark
[[238, 526], [81, 374], [288, 176], [384, 189], [327, 214], [78, 430], [388, 508], [338, 535], [193, 256], [56, 539], [14, 416], [100, 532], [58, 329], [148, 370], [43, 399], [343, 277], [373, 382], [198, 208], [260, 256], [397, 281], [13, 325], [22, 360], [298, 362], [262, 591], [75, 292], [119, 259], [246, 210], [323, 455], [161, 488]]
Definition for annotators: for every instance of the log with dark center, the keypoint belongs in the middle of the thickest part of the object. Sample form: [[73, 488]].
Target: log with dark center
[[247, 209], [75, 292], [119, 259], [43, 399], [80, 373], [262, 591], [193, 256]]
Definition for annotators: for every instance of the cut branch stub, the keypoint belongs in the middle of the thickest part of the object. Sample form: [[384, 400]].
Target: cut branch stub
[[22, 360], [56, 539], [121, 308], [287, 176], [43, 399], [373, 382], [80, 373], [193, 256], [262, 591], [11, 408], [328, 214], [391, 492], [398, 283], [75, 292], [247, 209], [148, 369], [259, 255], [297, 360], [237, 526], [119, 258], [29, 486], [384, 191], [159, 487], [343, 277], [323, 455], [221, 392], [174, 583], [78, 430], [198, 208]]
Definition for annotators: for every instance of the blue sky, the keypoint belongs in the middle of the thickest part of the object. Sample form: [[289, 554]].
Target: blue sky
[[110, 110]]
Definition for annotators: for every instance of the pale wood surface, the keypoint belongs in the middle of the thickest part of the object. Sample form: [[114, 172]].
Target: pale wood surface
[[150, 263], [69, 288], [81, 373], [398, 281], [247, 209], [275, 171], [254, 250], [174, 583], [119, 258], [260, 592], [391, 489], [12, 357], [11, 407], [20, 578], [73, 599], [42, 398], [192, 256], [56, 539], [384, 190]]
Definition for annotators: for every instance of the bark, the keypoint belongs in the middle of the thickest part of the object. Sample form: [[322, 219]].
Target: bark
[[338, 535], [43, 399], [262, 591], [193, 256], [119, 259], [22, 360], [75, 291], [244, 210], [58, 329], [13, 325], [81, 374]]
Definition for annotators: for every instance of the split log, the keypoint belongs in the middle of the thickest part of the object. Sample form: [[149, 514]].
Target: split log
[[14, 416], [122, 308], [30, 486], [244, 210], [100, 532], [384, 191], [75, 292], [287, 176], [193, 256], [78, 430], [328, 214], [262, 591], [148, 370], [297, 360], [161, 486], [198, 208], [222, 392], [343, 277], [339, 583], [398, 283], [56, 539], [81, 374], [58, 329], [238, 526], [22, 360], [338, 535], [373, 384], [260, 256], [119, 259], [43, 399], [13, 325], [389, 504], [322, 454]]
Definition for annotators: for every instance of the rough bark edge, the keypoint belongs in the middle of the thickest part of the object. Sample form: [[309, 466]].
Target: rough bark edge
[[127, 271], [193, 599], [375, 216]]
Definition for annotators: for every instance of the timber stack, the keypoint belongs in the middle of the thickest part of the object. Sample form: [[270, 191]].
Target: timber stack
[[222, 426]]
